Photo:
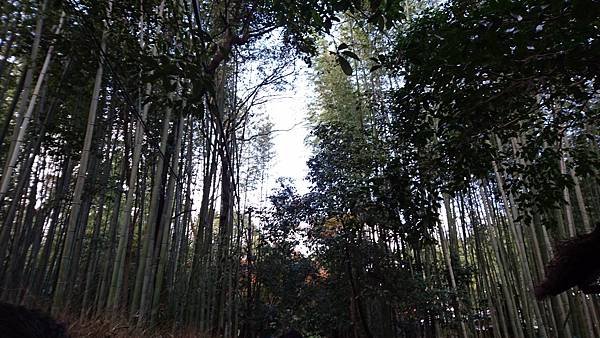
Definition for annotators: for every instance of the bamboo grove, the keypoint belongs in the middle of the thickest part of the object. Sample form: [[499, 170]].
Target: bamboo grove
[[129, 152], [454, 146], [447, 165]]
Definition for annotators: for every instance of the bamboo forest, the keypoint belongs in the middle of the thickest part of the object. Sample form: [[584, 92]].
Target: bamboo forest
[[451, 186]]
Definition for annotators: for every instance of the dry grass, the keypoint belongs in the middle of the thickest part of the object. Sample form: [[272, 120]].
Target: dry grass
[[113, 326], [102, 328]]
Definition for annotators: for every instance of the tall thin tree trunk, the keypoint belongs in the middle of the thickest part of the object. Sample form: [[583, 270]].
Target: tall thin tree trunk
[[20, 136], [59, 301], [116, 283]]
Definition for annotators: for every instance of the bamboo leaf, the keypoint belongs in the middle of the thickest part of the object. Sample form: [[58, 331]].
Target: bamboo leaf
[[346, 68], [351, 55]]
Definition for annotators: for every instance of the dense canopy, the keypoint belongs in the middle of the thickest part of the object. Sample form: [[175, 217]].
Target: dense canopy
[[453, 179]]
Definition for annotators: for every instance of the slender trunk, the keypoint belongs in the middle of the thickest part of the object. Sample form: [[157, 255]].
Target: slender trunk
[[166, 221], [448, 261], [114, 298], [140, 302], [59, 301], [20, 136]]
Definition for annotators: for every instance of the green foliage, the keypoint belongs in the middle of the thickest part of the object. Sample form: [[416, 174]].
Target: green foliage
[[513, 84], [314, 292], [464, 90], [336, 96], [303, 20], [495, 74]]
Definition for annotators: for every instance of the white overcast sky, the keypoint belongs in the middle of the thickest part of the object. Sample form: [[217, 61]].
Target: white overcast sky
[[289, 111]]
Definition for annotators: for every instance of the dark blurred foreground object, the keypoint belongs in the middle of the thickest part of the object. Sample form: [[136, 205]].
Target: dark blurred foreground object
[[576, 262], [20, 322], [292, 334]]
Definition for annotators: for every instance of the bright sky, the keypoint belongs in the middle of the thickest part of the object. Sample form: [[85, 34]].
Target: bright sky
[[287, 109], [288, 112]]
